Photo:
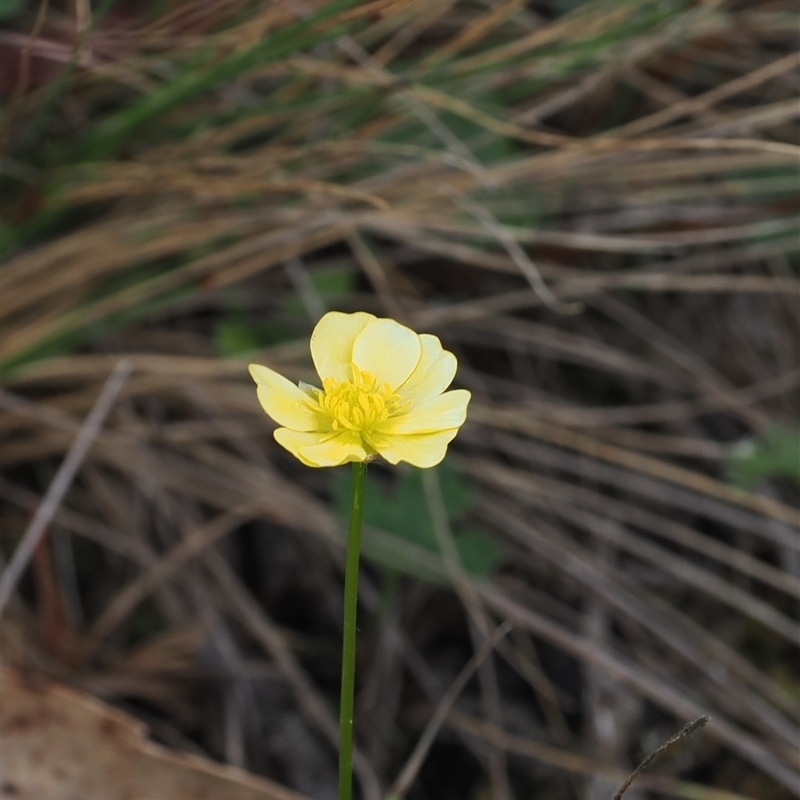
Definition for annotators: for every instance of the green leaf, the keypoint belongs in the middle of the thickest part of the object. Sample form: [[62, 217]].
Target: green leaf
[[775, 455], [479, 553], [236, 338], [11, 8], [402, 512]]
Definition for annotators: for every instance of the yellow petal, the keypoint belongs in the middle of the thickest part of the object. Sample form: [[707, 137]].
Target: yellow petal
[[322, 450], [433, 374], [294, 440], [286, 403], [448, 410], [387, 350], [421, 450], [332, 342]]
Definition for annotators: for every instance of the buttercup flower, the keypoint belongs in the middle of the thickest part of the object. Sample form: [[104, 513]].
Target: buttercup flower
[[383, 393]]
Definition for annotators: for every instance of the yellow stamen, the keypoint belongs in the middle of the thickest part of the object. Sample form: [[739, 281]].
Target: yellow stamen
[[360, 403]]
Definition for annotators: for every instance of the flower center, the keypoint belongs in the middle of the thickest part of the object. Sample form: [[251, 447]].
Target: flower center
[[360, 403]]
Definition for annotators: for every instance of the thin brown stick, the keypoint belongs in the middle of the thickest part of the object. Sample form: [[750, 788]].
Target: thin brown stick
[[24, 77], [567, 761], [693, 105], [687, 730], [479, 622], [62, 481], [126, 600], [409, 772]]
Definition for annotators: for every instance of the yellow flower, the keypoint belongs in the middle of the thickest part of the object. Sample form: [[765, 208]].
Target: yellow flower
[[383, 393]]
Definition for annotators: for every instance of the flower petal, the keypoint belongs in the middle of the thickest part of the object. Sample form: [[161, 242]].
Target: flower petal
[[294, 440], [433, 374], [322, 450], [420, 450], [445, 411], [387, 350], [286, 403], [332, 342]]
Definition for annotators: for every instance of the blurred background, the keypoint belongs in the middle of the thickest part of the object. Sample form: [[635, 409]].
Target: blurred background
[[593, 204]]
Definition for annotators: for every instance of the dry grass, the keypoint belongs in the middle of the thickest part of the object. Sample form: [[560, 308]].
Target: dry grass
[[596, 210]]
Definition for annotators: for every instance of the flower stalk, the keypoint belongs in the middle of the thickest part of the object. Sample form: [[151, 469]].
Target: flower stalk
[[349, 638], [384, 393]]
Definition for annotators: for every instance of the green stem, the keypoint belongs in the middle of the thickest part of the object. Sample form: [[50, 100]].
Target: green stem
[[349, 639]]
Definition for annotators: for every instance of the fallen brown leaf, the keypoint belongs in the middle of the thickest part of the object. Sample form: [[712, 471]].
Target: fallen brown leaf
[[58, 742]]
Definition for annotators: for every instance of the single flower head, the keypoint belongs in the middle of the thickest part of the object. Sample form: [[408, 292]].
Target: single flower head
[[383, 394]]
